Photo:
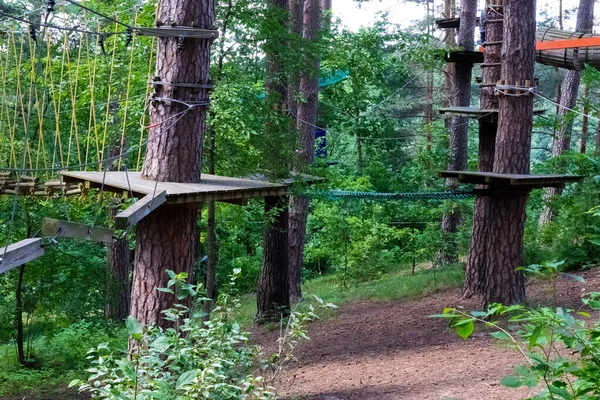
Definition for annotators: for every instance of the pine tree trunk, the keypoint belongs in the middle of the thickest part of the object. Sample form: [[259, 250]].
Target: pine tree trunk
[[272, 294], [568, 100], [166, 238], [503, 283], [305, 124], [19, 316], [585, 122], [296, 10], [273, 289], [21, 357], [477, 260], [118, 294], [459, 131]]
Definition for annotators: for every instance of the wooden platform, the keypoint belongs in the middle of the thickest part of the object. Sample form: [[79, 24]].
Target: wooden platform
[[451, 23], [217, 188], [511, 181], [489, 115], [466, 57]]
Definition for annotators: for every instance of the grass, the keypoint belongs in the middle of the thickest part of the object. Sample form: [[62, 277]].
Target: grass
[[396, 285]]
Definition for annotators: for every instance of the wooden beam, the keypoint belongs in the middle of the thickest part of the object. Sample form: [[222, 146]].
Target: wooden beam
[[20, 253], [72, 230], [139, 210]]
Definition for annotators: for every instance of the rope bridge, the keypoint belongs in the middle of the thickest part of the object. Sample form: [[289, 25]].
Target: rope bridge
[[416, 196], [73, 95]]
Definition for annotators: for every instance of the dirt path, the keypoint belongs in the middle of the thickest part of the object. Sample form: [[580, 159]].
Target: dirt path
[[390, 351]]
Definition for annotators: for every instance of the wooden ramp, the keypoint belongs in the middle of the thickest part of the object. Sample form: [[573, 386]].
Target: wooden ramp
[[20, 253], [511, 181]]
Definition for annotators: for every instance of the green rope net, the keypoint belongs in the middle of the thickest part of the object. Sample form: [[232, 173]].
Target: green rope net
[[346, 194]]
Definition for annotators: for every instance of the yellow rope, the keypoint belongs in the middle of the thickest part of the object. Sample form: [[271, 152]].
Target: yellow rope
[[74, 130], [148, 89], [127, 92], [92, 122], [5, 108], [41, 150], [108, 97], [56, 95]]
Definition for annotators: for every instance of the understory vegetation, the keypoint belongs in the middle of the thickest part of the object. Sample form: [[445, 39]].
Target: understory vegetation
[[379, 87]]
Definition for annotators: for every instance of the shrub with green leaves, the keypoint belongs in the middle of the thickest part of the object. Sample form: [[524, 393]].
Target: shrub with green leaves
[[195, 358], [560, 347], [192, 360]]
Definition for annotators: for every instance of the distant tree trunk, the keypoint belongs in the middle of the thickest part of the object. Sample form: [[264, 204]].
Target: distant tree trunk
[[428, 95], [503, 283], [118, 294], [21, 358], [459, 130], [273, 289], [568, 100], [477, 261], [597, 151], [166, 239], [272, 295], [305, 124], [585, 123], [296, 22], [211, 226], [19, 316], [449, 41]]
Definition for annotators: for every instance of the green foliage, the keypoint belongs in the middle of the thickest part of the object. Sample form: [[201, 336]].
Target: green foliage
[[194, 359], [559, 346]]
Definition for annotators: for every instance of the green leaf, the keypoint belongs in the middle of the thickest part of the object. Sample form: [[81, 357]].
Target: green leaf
[[533, 339], [464, 330], [574, 277], [512, 381], [186, 378], [134, 328], [500, 335]]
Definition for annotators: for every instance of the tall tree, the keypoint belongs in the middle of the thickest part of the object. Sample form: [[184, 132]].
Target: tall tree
[[305, 124], [273, 292], [166, 239], [503, 282], [459, 128], [568, 101], [477, 261], [118, 293]]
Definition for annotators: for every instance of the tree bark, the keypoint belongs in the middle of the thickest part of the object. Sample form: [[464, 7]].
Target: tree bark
[[477, 260], [272, 295], [296, 22], [585, 123], [118, 294], [21, 356], [459, 130], [19, 316], [166, 238], [503, 283], [305, 124], [568, 101]]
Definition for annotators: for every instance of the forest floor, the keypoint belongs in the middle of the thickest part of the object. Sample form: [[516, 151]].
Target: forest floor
[[392, 350]]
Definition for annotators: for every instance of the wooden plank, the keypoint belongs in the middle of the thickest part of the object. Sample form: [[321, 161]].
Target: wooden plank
[[72, 230], [141, 209], [20, 253]]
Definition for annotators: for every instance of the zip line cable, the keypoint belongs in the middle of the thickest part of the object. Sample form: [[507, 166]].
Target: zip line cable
[[99, 14]]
